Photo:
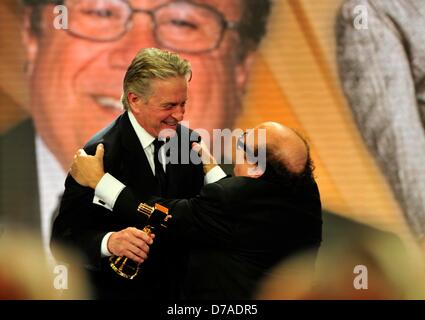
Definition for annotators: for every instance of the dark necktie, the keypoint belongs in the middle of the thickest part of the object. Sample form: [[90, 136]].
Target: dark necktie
[[159, 170]]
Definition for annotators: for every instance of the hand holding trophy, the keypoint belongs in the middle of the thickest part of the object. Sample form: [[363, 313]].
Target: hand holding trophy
[[157, 218]]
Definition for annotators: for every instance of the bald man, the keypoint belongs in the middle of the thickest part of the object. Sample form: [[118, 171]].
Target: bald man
[[239, 227]]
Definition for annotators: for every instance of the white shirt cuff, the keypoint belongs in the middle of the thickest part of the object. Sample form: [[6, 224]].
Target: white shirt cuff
[[214, 175], [107, 191], [104, 252]]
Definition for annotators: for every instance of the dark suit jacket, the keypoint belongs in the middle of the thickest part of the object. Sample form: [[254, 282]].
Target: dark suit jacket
[[237, 229], [82, 224], [19, 197]]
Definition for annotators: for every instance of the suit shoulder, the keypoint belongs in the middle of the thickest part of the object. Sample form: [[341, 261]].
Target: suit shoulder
[[184, 131], [240, 183], [232, 187], [17, 145], [107, 136], [213, 188], [24, 131], [214, 191]]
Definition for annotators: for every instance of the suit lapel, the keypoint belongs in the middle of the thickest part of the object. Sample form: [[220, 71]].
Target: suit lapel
[[135, 170], [135, 165], [182, 170]]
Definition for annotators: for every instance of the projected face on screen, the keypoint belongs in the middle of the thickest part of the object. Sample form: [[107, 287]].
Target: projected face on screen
[[76, 74]]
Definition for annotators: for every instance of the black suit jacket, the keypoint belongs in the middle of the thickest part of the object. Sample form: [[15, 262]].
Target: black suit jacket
[[19, 196], [82, 224], [237, 229]]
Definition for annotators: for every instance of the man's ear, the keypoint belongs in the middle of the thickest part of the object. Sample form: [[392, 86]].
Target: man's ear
[[255, 171], [134, 102], [242, 72], [30, 41]]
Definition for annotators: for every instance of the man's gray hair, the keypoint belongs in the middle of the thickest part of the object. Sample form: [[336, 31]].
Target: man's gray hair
[[149, 64]]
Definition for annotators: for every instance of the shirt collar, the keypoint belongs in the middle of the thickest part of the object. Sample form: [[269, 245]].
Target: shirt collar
[[145, 137]]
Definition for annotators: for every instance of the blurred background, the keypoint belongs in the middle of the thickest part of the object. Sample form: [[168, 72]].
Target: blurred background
[[294, 80]]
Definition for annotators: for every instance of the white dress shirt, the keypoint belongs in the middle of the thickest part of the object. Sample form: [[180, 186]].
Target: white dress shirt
[[51, 187], [109, 188]]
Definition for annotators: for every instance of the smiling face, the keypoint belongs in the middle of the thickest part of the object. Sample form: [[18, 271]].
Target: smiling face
[[165, 107], [219, 77], [76, 83]]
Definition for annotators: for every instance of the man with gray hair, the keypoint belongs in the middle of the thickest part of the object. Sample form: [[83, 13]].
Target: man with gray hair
[[239, 227], [155, 95], [75, 77]]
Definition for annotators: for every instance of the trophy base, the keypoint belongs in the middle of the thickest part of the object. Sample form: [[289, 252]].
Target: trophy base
[[157, 218], [124, 267]]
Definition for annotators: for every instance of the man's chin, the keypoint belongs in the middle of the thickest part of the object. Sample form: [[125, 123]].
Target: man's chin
[[167, 131]]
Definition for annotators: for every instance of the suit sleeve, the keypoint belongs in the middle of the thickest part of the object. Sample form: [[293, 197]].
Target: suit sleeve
[[201, 220], [377, 80], [75, 225], [80, 224]]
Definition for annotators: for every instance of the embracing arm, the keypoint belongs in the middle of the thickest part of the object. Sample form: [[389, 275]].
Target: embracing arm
[[74, 225], [84, 224], [88, 171], [202, 220]]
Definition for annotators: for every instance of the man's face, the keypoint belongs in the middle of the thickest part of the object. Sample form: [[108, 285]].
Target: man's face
[[165, 107], [76, 83], [243, 167]]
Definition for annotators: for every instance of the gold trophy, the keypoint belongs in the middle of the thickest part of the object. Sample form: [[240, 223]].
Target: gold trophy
[[157, 218]]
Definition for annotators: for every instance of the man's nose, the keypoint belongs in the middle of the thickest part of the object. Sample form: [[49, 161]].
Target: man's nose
[[178, 113], [140, 35]]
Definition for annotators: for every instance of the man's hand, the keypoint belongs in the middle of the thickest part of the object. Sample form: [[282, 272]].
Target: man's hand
[[88, 170], [207, 158], [131, 243]]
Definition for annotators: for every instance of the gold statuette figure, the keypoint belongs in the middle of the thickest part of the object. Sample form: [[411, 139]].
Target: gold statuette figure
[[157, 218]]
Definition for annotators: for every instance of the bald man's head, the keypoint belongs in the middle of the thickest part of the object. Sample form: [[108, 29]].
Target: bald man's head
[[287, 152], [286, 146]]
